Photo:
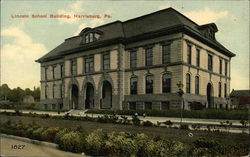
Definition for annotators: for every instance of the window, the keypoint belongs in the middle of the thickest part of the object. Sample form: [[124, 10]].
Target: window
[[54, 90], [133, 59], [188, 83], [132, 105], [225, 68], [62, 71], [46, 91], [61, 90], [197, 85], [53, 71], [133, 85], [220, 70], [149, 84], [148, 105], [225, 90], [165, 105], [89, 64], [89, 38], [73, 67], [210, 62], [45, 106], [46, 73], [149, 56], [106, 61], [198, 57], [219, 89], [189, 54], [166, 54], [166, 82], [53, 106]]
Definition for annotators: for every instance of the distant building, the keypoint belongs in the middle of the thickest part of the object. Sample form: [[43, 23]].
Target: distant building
[[240, 99], [29, 99], [136, 64]]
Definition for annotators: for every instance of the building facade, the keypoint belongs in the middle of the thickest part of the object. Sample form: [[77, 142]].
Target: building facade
[[137, 64]]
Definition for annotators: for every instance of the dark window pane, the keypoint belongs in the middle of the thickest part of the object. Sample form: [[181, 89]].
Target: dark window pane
[[149, 56], [133, 59], [166, 83], [226, 68], [89, 62], [133, 85], [225, 90], [188, 83], [148, 105], [165, 105], [106, 61], [210, 62], [219, 89], [73, 67], [149, 84], [132, 105], [220, 66], [165, 54], [189, 54], [197, 85], [197, 57]]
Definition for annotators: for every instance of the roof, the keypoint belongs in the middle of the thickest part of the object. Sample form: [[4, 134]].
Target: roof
[[244, 100], [165, 20], [240, 93]]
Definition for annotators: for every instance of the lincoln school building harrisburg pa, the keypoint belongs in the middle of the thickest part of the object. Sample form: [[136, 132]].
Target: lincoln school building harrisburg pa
[[141, 63]]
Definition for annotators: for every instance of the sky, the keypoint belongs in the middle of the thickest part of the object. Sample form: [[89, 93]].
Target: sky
[[24, 40]]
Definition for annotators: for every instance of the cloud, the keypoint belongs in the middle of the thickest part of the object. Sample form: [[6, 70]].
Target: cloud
[[18, 58], [206, 15], [74, 8]]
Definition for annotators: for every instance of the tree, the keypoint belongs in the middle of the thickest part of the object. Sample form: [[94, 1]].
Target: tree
[[4, 92]]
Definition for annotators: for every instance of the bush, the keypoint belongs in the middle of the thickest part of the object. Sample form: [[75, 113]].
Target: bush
[[120, 144], [59, 135], [136, 120], [49, 134], [37, 133], [148, 123], [72, 141], [184, 126], [95, 143]]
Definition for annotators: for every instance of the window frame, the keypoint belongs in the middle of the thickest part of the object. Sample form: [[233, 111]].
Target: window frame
[[225, 90], [189, 54], [220, 66], [198, 51], [166, 53], [210, 62], [147, 90], [149, 56], [197, 85], [166, 85], [220, 89], [226, 68], [73, 64], [133, 60], [89, 64], [46, 93], [106, 66], [188, 83], [148, 105], [134, 91]]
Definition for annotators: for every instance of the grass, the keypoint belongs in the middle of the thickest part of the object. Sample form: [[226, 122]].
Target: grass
[[167, 133]]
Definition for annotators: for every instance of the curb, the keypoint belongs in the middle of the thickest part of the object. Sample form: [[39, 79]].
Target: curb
[[24, 139]]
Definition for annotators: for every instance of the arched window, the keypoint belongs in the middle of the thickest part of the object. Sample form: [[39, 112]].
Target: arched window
[[149, 84], [166, 82], [133, 85], [188, 83], [219, 89], [46, 91], [197, 85]]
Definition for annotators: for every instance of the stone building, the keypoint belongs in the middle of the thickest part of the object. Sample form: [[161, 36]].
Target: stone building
[[136, 64]]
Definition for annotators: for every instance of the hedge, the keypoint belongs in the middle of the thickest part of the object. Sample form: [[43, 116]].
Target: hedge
[[206, 114], [100, 143]]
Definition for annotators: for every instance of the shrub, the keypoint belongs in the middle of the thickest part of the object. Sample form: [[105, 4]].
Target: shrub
[[49, 134], [72, 141], [184, 126], [205, 147], [59, 135], [120, 144], [147, 123], [95, 142], [37, 133], [136, 120]]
